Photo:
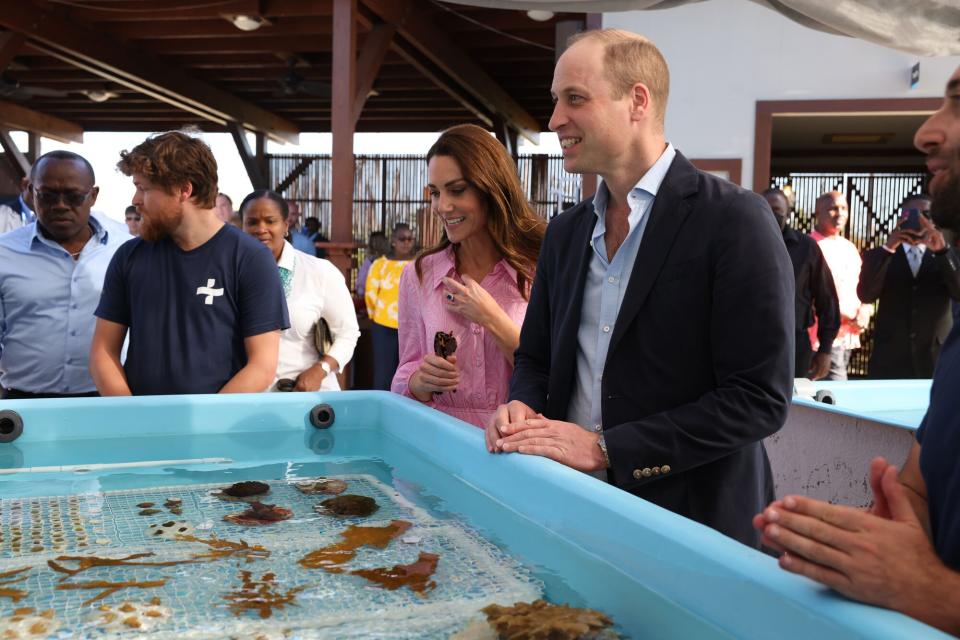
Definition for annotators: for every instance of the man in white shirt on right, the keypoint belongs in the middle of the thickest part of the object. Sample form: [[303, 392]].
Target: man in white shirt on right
[[844, 261]]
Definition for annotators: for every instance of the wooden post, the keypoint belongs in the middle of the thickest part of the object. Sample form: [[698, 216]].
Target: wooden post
[[33, 146], [260, 155], [250, 163], [343, 77]]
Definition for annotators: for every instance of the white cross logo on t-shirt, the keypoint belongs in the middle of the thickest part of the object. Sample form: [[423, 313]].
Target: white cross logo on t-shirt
[[209, 291]]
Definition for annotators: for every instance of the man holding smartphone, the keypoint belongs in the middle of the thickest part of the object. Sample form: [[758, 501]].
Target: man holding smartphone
[[914, 275]]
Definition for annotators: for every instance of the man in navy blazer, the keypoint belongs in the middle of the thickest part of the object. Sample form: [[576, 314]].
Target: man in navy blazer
[[657, 350]]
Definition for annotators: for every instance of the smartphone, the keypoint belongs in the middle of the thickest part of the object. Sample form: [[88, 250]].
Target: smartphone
[[912, 221]]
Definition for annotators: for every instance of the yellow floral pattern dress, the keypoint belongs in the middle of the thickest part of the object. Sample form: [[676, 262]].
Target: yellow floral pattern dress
[[383, 291]]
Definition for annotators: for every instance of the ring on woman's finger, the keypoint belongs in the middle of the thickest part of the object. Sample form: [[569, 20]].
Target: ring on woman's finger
[[450, 297]]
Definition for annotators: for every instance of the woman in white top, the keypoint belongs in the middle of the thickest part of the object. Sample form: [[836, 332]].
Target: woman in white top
[[314, 289]]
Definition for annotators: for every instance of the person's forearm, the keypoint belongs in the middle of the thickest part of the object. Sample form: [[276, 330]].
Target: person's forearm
[[108, 375], [252, 378], [938, 605], [505, 333]]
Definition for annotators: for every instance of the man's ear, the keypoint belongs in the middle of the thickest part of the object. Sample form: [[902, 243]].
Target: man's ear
[[641, 106], [185, 191]]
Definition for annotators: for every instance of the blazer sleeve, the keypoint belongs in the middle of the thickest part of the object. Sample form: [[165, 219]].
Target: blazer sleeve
[[531, 360], [949, 265], [751, 315], [873, 273], [825, 300]]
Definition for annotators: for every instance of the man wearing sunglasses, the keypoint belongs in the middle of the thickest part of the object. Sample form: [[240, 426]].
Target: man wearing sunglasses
[[914, 275], [51, 273]]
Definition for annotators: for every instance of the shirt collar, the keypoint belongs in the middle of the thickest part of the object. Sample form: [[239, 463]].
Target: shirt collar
[[649, 182], [100, 232], [287, 256], [447, 268]]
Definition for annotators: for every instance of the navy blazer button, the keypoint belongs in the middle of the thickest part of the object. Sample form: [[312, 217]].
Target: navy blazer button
[[647, 472], [656, 471], [665, 469], [638, 474]]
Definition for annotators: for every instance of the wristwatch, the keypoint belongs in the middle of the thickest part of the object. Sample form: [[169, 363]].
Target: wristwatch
[[603, 449], [325, 366]]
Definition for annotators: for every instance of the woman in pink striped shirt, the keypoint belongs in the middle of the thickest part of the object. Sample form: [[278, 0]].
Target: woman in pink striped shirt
[[473, 284]]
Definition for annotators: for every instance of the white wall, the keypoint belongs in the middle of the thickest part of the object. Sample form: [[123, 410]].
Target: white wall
[[724, 55]]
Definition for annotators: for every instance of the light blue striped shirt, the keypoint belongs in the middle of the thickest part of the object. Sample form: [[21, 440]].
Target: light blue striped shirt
[[47, 301], [604, 290]]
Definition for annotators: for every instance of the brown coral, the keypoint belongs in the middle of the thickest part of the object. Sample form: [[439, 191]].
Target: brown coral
[[348, 505], [259, 514], [541, 620]]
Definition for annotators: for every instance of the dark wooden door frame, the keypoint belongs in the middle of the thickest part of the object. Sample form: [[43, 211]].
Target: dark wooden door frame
[[767, 109]]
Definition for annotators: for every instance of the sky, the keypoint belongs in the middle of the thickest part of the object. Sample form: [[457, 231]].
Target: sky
[[103, 149]]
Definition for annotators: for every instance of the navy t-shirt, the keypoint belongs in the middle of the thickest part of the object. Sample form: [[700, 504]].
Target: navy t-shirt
[[939, 437], [188, 312]]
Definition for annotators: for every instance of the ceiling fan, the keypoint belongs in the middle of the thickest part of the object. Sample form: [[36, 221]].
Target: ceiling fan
[[292, 83]]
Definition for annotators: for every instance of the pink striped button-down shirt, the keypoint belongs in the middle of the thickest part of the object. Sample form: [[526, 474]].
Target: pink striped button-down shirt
[[484, 370]]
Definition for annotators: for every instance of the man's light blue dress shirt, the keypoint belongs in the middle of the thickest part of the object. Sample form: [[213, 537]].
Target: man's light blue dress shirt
[[47, 301], [605, 287]]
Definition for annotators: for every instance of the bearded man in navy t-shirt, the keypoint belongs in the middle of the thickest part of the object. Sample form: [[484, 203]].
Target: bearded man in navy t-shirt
[[202, 301], [904, 551]]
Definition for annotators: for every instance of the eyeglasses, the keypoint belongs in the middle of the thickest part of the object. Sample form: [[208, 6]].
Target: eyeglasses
[[52, 198], [915, 211], [404, 238]]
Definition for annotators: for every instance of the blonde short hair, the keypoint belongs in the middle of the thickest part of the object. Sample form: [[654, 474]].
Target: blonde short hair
[[629, 58]]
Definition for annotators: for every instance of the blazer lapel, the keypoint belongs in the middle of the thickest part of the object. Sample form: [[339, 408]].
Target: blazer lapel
[[669, 211], [579, 253]]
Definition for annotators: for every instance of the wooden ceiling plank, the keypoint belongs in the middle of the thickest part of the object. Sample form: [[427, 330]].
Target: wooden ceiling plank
[[375, 49], [85, 49], [18, 117], [267, 8], [220, 28], [11, 43], [218, 45], [450, 58], [160, 12]]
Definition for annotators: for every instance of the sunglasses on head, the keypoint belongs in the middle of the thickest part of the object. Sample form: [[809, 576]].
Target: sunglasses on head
[[51, 198]]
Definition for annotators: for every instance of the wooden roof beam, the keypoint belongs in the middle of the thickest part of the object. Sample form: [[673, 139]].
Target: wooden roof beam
[[90, 51], [18, 117], [415, 60], [11, 43], [375, 49], [428, 39]]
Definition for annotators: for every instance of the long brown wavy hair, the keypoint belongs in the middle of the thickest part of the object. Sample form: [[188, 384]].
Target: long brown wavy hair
[[517, 231]]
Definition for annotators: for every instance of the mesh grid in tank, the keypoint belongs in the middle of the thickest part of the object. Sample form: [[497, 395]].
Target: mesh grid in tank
[[471, 572]]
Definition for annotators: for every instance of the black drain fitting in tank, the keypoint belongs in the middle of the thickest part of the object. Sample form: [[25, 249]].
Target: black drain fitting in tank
[[11, 425], [825, 396], [322, 416]]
